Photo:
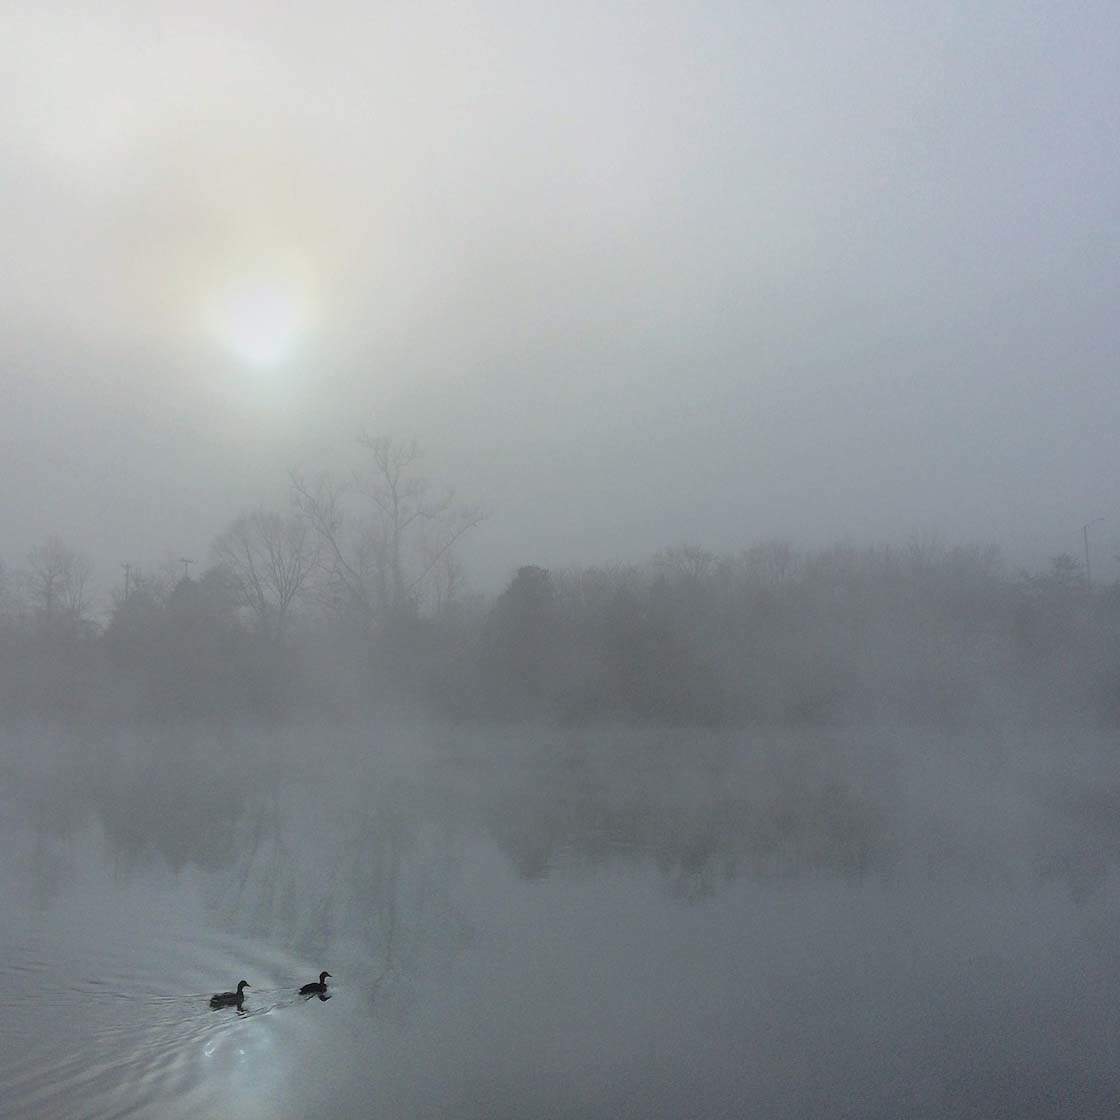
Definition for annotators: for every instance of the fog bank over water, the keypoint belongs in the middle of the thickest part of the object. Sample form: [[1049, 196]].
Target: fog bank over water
[[519, 923], [803, 834], [592, 525]]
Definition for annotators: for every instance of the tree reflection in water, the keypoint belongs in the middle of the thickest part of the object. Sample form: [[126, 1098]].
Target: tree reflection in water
[[739, 819], [929, 900], [368, 842]]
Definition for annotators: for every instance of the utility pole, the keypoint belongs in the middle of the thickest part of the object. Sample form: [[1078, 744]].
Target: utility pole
[[1085, 538], [127, 579], [186, 562]]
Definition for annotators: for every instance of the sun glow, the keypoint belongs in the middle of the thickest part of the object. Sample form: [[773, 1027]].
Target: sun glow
[[261, 317]]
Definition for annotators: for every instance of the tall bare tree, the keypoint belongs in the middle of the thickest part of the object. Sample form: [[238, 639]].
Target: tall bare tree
[[386, 537], [270, 557], [58, 580]]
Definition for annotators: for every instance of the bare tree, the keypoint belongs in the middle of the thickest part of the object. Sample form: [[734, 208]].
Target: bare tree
[[58, 580], [588, 591], [446, 578], [686, 561], [770, 563], [270, 557], [386, 539]]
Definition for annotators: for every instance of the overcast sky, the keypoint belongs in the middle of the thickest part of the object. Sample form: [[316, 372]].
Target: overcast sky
[[635, 274]]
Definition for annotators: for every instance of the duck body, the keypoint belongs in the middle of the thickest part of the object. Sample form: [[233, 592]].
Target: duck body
[[314, 989], [231, 999]]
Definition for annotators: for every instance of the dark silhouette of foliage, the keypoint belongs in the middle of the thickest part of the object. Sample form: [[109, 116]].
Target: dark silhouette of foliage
[[520, 643], [924, 635]]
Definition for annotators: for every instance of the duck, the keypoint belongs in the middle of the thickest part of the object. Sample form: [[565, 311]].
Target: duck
[[231, 999], [314, 989]]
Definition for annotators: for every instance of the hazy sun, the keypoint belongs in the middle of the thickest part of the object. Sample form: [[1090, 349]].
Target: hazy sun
[[260, 318]]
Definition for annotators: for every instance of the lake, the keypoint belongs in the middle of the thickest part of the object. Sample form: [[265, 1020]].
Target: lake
[[526, 922]]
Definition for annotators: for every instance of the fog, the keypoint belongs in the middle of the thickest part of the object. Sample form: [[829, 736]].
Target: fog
[[635, 275], [562, 924], [593, 525]]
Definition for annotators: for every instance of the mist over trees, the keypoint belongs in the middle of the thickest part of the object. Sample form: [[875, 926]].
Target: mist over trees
[[386, 539], [269, 557], [351, 602], [57, 583]]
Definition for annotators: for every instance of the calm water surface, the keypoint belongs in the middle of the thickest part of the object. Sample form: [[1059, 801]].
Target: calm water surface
[[544, 925]]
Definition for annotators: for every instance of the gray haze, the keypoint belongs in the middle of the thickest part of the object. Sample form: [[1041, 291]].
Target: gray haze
[[736, 736], [635, 274], [871, 925]]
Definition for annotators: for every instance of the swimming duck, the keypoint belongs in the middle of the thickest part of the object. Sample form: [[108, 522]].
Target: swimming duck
[[231, 999], [315, 989]]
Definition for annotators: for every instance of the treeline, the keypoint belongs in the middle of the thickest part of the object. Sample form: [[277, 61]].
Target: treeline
[[351, 603], [943, 637]]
